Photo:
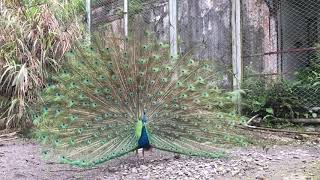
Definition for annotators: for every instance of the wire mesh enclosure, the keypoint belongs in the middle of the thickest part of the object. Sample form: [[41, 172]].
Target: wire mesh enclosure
[[280, 45], [279, 39], [203, 27]]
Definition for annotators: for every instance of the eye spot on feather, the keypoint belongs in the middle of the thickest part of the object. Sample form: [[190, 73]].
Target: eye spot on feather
[[126, 66], [87, 124], [72, 142], [107, 90], [57, 141], [141, 73], [205, 94], [145, 47], [155, 69], [109, 98], [156, 57], [191, 62], [160, 93], [168, 68], [79, 130], [97, 91], [89, 141], [140, 87], [63, 126], [81, 96], [183, 96], [179, 84], [85, 104], [107, 115], [114, 77], [184, 71], [176, 106], [206, 66], [164, 80], [98, 118], [142, 61]]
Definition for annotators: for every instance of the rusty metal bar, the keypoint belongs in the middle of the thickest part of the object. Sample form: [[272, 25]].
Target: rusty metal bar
[[284, 52]]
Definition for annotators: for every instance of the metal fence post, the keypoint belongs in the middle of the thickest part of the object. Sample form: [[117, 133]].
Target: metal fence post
[[88, 13], [125, 17], [173, 27], [236, 49]]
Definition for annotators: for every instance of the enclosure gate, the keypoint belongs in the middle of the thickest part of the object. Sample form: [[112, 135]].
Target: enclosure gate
[[280, 41]]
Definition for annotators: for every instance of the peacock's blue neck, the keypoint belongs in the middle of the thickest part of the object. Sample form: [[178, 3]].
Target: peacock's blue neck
[[144, 139]]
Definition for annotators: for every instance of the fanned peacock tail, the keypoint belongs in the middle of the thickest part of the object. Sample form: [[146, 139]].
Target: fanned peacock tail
[[96, 108]]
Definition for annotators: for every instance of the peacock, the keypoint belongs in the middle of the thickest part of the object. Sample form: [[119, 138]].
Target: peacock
[[117, 95]]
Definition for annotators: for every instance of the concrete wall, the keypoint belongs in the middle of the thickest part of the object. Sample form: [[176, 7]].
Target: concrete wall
[[264, 30], [198, 21], [259, 36], [208, 21]]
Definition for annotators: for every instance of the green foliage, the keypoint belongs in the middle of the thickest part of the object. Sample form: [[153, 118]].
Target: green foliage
[[32, 43], [64, 11], [270, 99], [280, 98], [308, 82], [135, 7]]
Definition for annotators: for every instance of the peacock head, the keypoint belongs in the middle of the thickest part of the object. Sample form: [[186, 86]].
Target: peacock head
[[144, 117]]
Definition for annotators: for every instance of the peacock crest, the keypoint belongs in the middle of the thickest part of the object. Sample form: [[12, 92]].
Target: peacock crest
[[117, 95]]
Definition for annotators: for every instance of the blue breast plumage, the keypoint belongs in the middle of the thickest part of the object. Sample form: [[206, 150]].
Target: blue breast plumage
[[144, 140]]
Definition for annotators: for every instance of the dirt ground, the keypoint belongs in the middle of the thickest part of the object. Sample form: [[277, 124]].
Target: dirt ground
[[294, 159]]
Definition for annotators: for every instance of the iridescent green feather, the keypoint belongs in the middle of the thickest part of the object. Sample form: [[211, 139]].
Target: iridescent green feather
[[90, 113]]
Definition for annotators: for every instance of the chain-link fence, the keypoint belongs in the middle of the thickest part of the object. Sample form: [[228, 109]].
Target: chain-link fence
[[104, 12], [279, 40], [206, 25], [201, 27], [280, 44], [143, 15]]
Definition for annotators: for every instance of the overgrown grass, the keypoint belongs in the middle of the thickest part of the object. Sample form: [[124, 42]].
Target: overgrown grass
[[34, 36]]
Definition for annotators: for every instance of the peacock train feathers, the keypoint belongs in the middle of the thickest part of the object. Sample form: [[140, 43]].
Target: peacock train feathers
[[116, 96]]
